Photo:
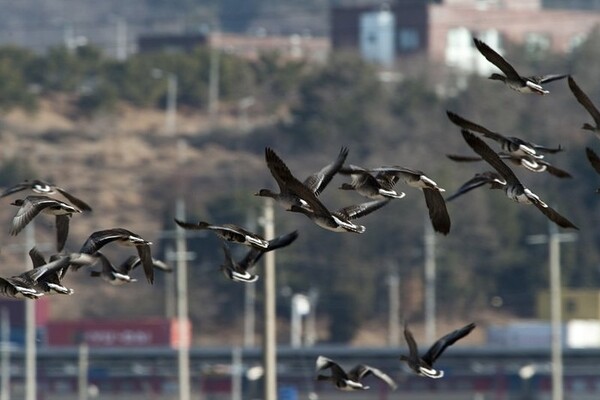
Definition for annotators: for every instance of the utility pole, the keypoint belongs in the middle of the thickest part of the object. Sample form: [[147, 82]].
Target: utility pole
[[250, 299], [311, 319], [30, 343], [30, 328], [269, 337], [182, 306], [236, 373], [5, 362], [213, 79], [430, 272], [171, 116], [170, 302], [249, 314], [122, 52], [243, 105], [171, 107], [82, 378], [553, 238], [393, 282]]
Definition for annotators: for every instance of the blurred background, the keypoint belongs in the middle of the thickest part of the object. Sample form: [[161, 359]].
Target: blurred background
[[140, 105]]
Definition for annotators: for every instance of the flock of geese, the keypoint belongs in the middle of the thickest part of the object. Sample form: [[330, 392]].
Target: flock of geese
[[375, 184], [45, 277]]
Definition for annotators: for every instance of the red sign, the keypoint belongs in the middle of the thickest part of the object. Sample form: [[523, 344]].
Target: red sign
[[115, 333]]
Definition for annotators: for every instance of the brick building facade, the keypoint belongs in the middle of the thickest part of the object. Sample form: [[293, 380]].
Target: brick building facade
[[443, 31]]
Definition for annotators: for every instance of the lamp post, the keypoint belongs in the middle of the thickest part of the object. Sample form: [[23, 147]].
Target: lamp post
[[311, 319], [553, 238], [30, 328], [5, 348], [30, 331], [526, 373], [430, 272], [269, 336], [83, 367], [181, 256], [300, 308], [183, 348], [393, 281]]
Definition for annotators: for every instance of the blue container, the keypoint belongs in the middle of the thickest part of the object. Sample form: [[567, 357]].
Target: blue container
[[287, 393]]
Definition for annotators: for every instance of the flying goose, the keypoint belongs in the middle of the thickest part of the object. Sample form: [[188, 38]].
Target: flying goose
[[492, 178], [116, 276], [230, 232], [510, 144], [28, 284], [531, 84], [527, 162], [340, 220], [315, 182], [585, 101], [124, 237], [423, 365], [31, 206], [42, 187], [594, 161], [376, 187], [308, 204], [49, 283], [136, 261], [514, 189], [352, 380], [239, 271], [438, 214]]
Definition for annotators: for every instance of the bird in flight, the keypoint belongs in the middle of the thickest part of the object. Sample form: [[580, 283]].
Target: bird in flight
[[239, 271], [423, 365], [514, 189], [43, 187], [316, 182], [531, 84], [585, 101], [510, 144], [351, 380]]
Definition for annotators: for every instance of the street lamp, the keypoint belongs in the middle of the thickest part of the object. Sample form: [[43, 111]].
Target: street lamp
[[430, 278], [553, 238], [5, 349], [300, 308], [269, 336]]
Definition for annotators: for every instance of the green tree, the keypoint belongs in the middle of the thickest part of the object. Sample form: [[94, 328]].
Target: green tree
[[14, 85], [337, 103]]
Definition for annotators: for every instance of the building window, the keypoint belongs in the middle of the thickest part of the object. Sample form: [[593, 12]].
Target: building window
[[458, 48], [536, 43], [408, 39], [571, 307], [578, 385], [577, 41]]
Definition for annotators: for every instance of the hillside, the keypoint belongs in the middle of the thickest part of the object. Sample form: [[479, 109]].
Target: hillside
[[128, 170], [117, 157], [120, 165]]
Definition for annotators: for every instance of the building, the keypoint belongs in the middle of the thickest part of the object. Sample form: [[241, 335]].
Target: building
[[576, 304], [444, 30], [171, 42], [292, 47], [572, 4], [411, 26]]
